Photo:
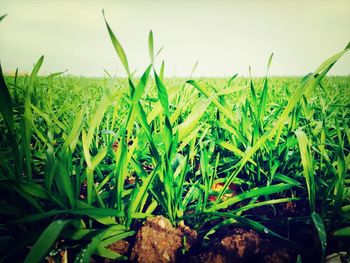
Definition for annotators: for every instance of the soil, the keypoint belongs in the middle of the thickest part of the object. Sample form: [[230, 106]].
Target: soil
[[159, 241], [121, 247], [240, 245]]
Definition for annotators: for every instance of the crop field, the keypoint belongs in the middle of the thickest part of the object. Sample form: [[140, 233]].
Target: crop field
[[157, 169]]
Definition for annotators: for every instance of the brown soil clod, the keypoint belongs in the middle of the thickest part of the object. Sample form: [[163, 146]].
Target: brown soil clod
[[159, 241], [243, 244], [121, 247], [278, 256], [240, 245]]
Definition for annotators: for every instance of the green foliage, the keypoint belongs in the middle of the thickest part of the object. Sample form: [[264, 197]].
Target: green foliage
[[87, 160]]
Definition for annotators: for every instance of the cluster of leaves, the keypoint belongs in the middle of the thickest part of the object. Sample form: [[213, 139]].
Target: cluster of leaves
[[87, 166]]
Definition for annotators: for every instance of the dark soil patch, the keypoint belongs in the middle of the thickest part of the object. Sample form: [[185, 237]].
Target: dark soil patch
[[240, 245]]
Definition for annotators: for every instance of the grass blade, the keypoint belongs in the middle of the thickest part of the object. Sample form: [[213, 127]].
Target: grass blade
[[150, 46], [318, 222], [307, 162], [118, 47], [162, 95], [46, 241]]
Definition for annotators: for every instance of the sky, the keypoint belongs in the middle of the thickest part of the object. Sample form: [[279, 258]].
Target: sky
[[225, 37]]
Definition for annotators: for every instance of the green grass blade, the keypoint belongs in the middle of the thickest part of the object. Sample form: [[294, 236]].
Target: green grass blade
[[194, 68], [321, 231], [229, 82], [73, 136], [140, 193], [46, 241], [269, 62], [192, 119], [98, 158], [2, 17], [118, 47], [150, 46], [121, 171], [161, 71], [256, 192], [263, 203], [28, 118], [342, 232], [226, 110], [140, 88], [234, 149], [162, 94], [34, 74], [6, 107], [86, 253], [307, 162]]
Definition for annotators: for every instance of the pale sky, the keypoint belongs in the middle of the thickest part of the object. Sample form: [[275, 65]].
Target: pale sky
[[226, 37]]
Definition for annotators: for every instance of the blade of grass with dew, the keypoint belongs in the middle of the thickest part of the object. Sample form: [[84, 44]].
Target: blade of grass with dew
[[46, 241], [321, 231], [86, 253]]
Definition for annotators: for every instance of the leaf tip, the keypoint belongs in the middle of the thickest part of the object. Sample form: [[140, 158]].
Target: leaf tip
[[348, 45]]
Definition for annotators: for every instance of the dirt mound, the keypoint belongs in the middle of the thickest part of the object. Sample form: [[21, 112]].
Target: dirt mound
[[159, 241], [239, 245]]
